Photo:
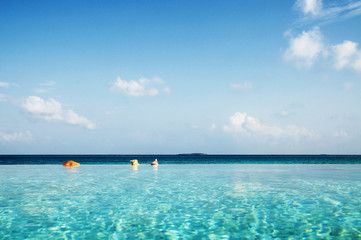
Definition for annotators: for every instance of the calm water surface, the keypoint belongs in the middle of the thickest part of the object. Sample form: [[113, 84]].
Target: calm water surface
[[181, 201], [182, 159]]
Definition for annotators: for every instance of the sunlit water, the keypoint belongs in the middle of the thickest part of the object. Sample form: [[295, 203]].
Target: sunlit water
[[208, 201]]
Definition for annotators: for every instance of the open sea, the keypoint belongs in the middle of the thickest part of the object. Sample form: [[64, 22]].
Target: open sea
[[185, 197], [182, 159]]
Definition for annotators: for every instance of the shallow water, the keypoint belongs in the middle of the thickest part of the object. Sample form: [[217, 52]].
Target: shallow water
[[205, 201]]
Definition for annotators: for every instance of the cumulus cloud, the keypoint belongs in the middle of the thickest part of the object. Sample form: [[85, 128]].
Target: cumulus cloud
[[347, 55], [4, 84], [313, 7], [16, 136], [305, 48], [243, 124], [52, 110], [241, 86], [140, 88]]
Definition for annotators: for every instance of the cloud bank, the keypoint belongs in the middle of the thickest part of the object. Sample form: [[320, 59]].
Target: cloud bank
[[51, 110], [243, 124], [141, 88]]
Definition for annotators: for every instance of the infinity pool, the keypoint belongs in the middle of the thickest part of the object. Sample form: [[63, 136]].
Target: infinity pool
[[207, 201]]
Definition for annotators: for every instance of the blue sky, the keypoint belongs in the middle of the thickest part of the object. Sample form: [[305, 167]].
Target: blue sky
[[164, 77]]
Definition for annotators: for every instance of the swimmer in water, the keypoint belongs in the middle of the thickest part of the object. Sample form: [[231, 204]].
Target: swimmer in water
[[154, 163]]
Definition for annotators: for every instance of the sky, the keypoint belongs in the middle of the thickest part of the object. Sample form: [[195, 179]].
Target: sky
[[169, 77]]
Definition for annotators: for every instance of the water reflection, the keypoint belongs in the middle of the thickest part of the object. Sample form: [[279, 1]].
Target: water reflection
[[155, 170], [73, 172], [72, 169]]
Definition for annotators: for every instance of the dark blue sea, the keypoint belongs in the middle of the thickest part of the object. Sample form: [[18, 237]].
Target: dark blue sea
[[182, 159]]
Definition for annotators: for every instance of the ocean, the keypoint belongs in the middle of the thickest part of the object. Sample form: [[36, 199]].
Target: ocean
[[182, 159], [185, 197]]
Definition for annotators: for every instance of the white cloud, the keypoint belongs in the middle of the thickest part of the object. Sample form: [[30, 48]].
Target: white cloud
[[41, 90], [357, 63], [315, 10], [313, 7], [305, 48], [343, 53], [282, 114], [167, 90], [347, 55], [3, 97], [347, 85], [48, 83], [52, 110], [16, 137], [243, 124], [340, 134], [241, 86], [141, 88], [344, 10], [4, 84], [194, 126], [47, 86]]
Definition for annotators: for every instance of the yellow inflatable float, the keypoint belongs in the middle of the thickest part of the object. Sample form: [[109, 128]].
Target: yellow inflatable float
[[71, 164], [134, 162]]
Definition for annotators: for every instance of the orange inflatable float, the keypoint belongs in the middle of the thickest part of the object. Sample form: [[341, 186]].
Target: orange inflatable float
[[71, 164]]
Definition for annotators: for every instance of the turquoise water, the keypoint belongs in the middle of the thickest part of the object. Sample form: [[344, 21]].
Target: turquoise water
[[180, 201]]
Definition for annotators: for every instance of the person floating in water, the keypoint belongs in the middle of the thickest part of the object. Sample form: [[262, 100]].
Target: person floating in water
[[154, 163]]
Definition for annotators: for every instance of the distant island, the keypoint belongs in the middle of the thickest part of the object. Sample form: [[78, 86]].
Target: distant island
[[192, 154]]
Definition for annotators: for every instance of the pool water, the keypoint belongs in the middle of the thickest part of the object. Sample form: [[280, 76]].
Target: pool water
[[205, 201]]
